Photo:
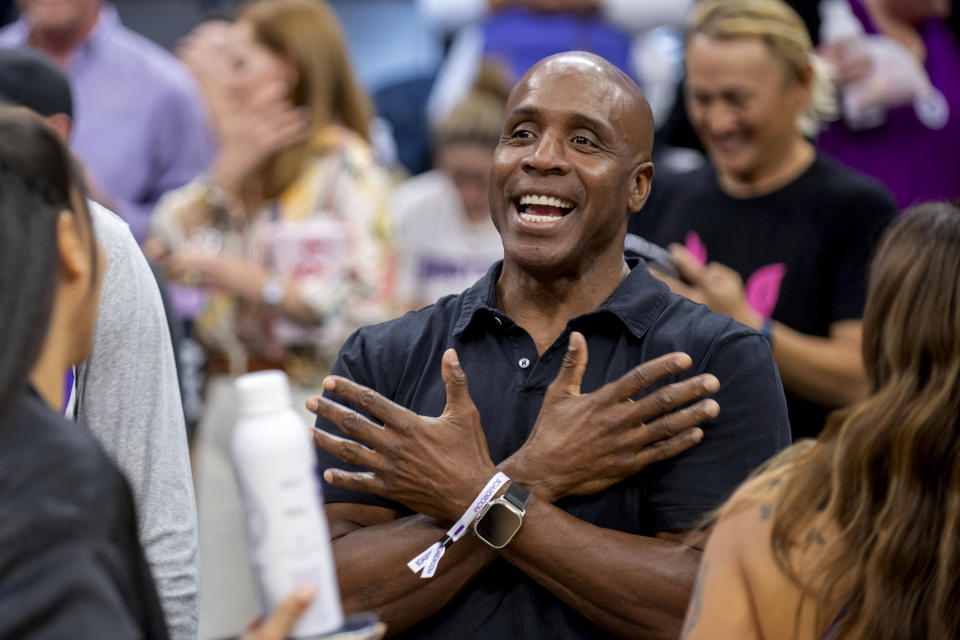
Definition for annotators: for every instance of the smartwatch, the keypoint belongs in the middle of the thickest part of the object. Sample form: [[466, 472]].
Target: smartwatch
[[273, 292], [501, 518]]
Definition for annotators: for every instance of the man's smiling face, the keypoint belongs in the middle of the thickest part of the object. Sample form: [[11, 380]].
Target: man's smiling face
[[572, 163]]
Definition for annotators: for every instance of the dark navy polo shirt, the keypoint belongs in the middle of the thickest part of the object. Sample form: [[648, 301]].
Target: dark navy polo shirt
[[640, 321]]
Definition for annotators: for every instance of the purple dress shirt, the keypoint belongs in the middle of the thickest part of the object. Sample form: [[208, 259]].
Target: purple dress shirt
[[914, 153], [140, 125]]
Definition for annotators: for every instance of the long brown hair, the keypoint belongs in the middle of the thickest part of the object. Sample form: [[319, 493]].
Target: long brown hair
[[886, 472], [307, 34]]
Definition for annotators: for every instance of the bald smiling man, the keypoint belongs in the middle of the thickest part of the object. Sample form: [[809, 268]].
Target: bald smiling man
[[575, 374]]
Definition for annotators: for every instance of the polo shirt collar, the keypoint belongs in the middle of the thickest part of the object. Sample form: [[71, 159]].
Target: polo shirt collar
[[637, 302], [481, 298]]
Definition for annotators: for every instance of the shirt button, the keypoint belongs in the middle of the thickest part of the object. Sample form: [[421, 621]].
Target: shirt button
[[498, 321], [524, 363]]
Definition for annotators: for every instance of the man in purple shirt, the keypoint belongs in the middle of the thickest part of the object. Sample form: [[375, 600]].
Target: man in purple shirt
[[140, 126]]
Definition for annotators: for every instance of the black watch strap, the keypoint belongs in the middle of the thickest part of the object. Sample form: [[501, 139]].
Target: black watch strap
[[517, 496]]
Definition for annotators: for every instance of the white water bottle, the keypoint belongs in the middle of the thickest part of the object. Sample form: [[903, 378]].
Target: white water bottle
[[277, 472]]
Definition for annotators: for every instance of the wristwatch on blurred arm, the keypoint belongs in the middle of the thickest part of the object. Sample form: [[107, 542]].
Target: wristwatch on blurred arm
[[274, 291]]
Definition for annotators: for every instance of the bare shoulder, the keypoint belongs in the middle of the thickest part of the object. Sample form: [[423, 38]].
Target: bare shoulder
[[742, 541]]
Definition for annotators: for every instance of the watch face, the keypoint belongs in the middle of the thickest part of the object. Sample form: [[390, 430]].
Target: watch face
[[498, 525]]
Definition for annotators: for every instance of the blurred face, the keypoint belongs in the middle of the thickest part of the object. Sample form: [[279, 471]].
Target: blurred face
[[468, 166], [565, 174], [916, 11], [743, 104], [254, 65], [60, 15]]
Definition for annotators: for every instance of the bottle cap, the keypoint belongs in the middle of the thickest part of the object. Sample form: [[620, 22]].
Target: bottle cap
[[262, 392]]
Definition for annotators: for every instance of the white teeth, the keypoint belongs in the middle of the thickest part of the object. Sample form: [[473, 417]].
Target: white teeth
[[549, 201], [527, 217]]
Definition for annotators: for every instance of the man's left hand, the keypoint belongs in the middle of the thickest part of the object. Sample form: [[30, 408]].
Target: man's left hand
[[435, 466], [715, 285]]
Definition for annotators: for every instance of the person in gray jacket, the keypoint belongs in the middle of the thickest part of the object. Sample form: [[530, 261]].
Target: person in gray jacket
[[127, 390]]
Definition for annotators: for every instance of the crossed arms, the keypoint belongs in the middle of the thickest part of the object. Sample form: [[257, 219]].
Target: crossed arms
[[580, 444]]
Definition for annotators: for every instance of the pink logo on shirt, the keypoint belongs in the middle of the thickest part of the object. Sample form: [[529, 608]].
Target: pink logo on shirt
[[762, 288]]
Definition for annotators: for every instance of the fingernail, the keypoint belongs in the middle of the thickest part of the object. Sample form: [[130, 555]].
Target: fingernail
[[711, 383], [712, 408], [697, 435], [328, 475], [312, 404], [329, 383]]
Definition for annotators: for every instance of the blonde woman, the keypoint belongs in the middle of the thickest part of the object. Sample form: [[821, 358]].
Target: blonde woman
[[770, 232], [287, 232], [855, 536], [283, 244]]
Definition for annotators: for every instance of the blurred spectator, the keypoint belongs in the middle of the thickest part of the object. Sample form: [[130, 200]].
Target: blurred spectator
[[787, 233], [286, 235], [518, 33], [71, 562], [140, 125], [445, 239], [126, 389], [855, 536], [907, 51]]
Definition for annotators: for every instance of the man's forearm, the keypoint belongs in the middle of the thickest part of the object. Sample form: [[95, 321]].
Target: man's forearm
[[632, 586], [828, 371], [373, 574], [575, 560]]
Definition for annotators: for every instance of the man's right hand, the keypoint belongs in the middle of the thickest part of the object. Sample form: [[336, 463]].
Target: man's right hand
[[583, 443]]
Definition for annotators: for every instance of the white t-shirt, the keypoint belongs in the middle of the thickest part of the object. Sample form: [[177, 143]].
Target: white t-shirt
[[439, 251]]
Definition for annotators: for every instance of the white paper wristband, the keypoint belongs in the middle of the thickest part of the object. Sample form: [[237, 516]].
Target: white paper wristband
[[427, 561]]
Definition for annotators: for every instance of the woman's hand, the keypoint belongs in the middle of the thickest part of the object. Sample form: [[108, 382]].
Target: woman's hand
[[254, 130], [241, 277], [285, 616], [207, 53]]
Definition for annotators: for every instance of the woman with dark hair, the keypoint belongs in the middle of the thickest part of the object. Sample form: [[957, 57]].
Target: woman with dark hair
[[71, 565], [857, 535]]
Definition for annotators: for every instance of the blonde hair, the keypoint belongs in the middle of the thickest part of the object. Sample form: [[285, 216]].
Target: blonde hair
[[478, 118], [785, 34], [307, 34]]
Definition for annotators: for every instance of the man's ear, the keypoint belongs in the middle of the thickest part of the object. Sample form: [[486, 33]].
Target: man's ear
[[73, 246], [640, 181]]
